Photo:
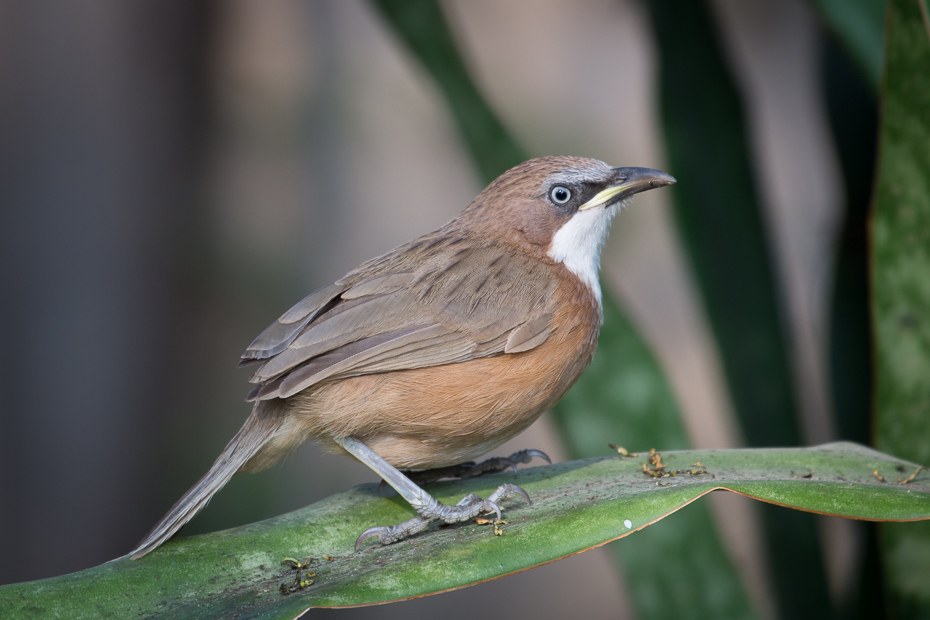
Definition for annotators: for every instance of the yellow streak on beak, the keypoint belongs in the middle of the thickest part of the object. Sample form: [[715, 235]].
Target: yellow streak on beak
[[634, 181], [604, 196]]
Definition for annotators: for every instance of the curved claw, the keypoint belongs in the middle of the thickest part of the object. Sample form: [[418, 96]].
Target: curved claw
[[366, 535], [524, 494], [380, 488], [509, 463], [506, 491], [540, 454], [497, 510], [525, 456]]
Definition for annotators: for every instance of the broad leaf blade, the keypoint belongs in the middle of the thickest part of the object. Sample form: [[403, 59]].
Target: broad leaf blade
[[901, 286], [577, 506]]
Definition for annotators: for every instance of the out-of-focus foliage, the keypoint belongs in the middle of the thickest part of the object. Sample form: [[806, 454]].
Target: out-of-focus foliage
[[859, 25], [853, 115], [901, 287], [422, 26], [721, 224]]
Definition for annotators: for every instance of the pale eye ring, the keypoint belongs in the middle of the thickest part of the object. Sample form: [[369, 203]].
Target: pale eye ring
[[560, 194]]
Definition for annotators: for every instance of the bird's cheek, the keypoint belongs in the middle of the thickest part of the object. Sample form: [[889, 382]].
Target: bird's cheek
[[538, 230]]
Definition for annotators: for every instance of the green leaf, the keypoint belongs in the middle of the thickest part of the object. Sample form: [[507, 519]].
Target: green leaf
[[901, 286], [858, 24], [721, 225], [623, 395], [577, 506]]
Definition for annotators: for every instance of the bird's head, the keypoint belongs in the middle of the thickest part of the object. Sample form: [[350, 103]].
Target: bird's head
[[561, 207]]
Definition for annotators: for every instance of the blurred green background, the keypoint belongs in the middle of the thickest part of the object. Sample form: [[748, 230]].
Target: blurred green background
[[174, 175]]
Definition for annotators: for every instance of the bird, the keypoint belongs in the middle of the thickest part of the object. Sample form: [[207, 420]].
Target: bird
[[440, 350]]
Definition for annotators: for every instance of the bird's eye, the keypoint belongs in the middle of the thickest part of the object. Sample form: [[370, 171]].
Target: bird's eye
[[560, 194]]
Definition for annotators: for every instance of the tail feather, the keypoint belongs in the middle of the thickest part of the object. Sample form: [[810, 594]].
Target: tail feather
[[253, 435]]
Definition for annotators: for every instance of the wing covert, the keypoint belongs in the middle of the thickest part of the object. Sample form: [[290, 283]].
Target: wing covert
[[456, 304]]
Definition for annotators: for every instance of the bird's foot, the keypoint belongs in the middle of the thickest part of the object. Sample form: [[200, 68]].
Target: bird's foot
[[467, 508], [498, 464], [471, 469]]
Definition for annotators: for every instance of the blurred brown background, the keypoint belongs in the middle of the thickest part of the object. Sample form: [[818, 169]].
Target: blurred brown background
[[175, 174]]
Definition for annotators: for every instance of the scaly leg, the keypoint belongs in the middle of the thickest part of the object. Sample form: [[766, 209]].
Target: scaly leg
[[471, 469], [428, 507]]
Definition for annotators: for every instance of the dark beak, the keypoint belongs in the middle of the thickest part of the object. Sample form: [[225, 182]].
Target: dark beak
[[629, 181]]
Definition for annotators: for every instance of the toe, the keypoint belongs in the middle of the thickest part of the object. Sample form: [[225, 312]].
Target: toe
[[372, 531]]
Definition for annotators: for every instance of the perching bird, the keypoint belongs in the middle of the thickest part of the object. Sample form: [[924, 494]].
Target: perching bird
[[440, 350]]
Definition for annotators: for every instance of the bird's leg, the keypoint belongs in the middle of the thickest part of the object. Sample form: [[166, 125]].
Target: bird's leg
[[497, 464], [428, 508], [471, 469]]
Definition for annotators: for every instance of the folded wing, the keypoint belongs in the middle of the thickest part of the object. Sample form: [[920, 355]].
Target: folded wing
[[436, 301]]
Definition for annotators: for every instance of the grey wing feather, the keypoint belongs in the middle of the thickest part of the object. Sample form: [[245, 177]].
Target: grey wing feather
[[282, 332], [371, 317], [469, 303], [377, 354], [379, 286]]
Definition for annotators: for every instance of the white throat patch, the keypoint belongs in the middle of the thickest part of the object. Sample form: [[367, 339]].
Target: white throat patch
[[579, 242]]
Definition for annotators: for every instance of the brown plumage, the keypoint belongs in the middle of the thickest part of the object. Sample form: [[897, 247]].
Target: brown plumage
[[444, 348]]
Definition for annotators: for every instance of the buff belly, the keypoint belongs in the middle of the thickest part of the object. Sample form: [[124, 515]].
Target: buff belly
[[437, 416], [443, 415]]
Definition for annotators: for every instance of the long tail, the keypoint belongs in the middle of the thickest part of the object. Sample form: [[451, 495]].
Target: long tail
[[254, 434]]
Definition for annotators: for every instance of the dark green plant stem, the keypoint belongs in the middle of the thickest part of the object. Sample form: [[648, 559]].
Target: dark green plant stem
[[721, 225], [852, 113], [853, 117], [858, 25], [900, 237]]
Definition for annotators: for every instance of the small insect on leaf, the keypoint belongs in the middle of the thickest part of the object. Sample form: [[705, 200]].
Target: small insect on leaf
[[912, 476], [300, 581], [656, 459], [298, 584], [651, 472], [658, 467], [623, 451], [698, 469]]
